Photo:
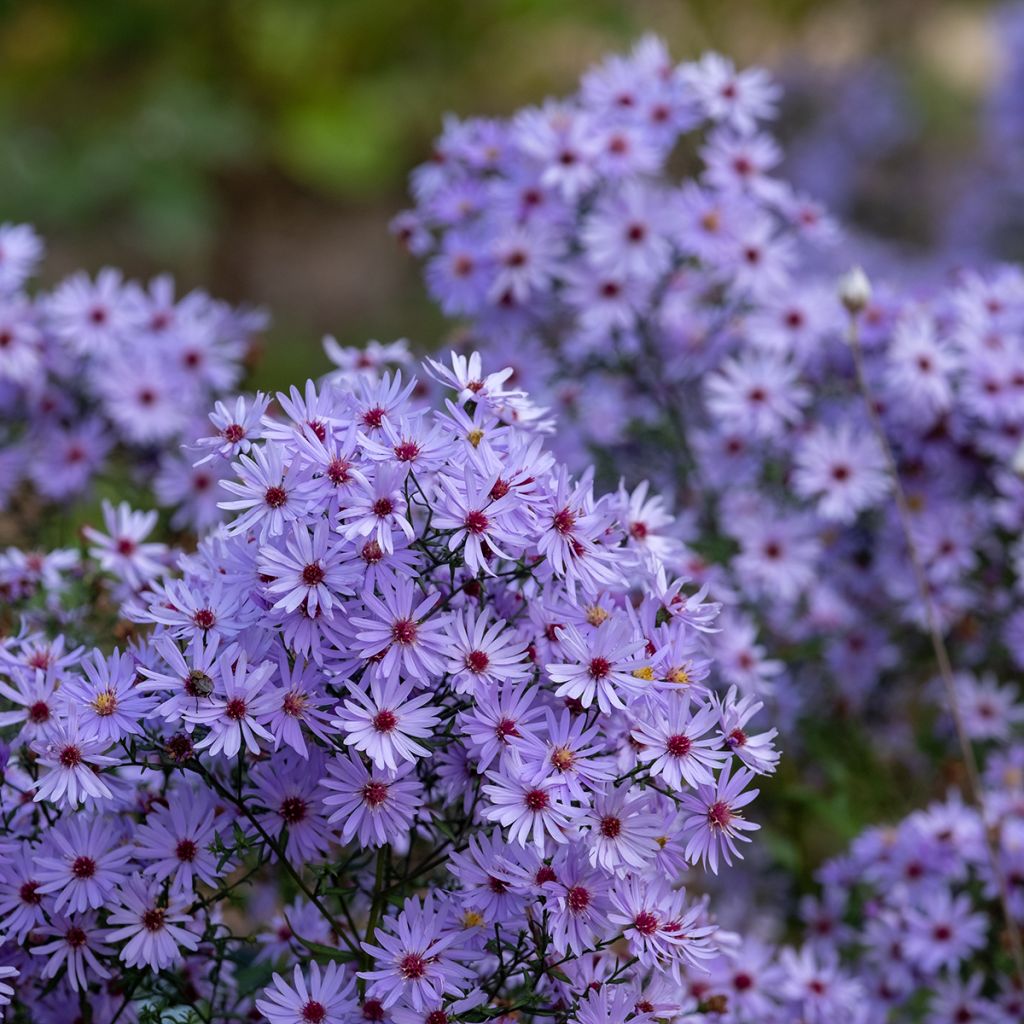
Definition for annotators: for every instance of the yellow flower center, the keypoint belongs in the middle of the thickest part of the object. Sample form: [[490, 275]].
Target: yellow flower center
[[105, 703], [471, 919], [596, 615], [475, 437], [646, 673]]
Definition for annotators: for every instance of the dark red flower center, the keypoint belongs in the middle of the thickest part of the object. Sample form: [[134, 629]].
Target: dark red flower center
[[313, 574], [383, 507], [477, 661], [186, 850], [293, 810], [236, 709], [537, 800], [678, 746], [476, 522], [384, 721], [39, 712], [412, 966], [578, 899], [645, 923], [275, 497], [153, 919], [375, 793], [404, 631], [719, 814], [83, 867], [610, 827], [313, 1012], [70, 756]]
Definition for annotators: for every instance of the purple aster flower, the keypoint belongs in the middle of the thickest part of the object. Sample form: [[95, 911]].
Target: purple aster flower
[[123, 551], [309, 572], [603, 666], [22, 908], [661, 930], [499, 718], [377, 805], [477, 518], [271, 493], [83, 863], [715, 820], [577, 907], [237, 428], [327, 998], [376, 507], [94, 317], [175, 842], [108, 700], [238, 708], [74, 944], [482, 651], [155, 927], [943, 930], [386, 722], [568, 751], [417, 957], [401, 638], [756, 751], [71, 758], [610, 1004], [301, 706], [20, 250], [675, 742], [623, 831], [845, 472], [290, 789], [531, 811]]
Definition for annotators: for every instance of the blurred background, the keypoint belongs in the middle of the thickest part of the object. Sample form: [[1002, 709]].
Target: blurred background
[[260, 147]]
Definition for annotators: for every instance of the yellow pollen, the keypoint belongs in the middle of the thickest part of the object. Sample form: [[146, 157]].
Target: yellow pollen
[[562, 758], [105, 703], [662, 841], [678, 675], [646, 673], [475, 437], [471, 919], [596, 615]]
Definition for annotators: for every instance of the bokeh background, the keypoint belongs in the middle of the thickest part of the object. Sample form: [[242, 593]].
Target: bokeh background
[[260, 147]]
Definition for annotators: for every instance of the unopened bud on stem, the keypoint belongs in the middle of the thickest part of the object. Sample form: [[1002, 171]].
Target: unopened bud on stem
[[855, 291]]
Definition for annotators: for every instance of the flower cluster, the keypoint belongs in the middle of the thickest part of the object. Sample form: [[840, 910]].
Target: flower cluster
[[420, 654], [100, 371], [685, 331]]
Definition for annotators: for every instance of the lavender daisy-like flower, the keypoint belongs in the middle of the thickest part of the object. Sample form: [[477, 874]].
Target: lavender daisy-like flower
[[71, 757], [376, 806], [400, 634], [476, 517], [237, 428], [482, 651], [943, 929], [386, 722], [301, 706], [715, 820], [675, 742], [416, 957], [623, 832], [660, 929], [270, 493], [123, 551], [156, 928], [7, 974], [308, 572], [845, 472], [84, 861], [239, 708], [531, 811], [377, 507], [109, 702], [326, 998], [499, 718], [75, 944], [175, 842], [603, 666], [20, 250]]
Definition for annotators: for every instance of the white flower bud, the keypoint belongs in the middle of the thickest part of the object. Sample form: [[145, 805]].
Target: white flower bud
[[855, 290]]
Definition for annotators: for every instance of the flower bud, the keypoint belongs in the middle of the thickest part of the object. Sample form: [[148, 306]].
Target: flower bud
[[855, 290]]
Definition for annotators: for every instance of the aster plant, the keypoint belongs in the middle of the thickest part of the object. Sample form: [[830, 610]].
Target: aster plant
[[102, 380], [675, 302], [422, 684]]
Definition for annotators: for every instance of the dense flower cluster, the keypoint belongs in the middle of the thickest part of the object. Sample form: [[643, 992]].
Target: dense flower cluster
[[686, 333], [101, 370], [419, 654]]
